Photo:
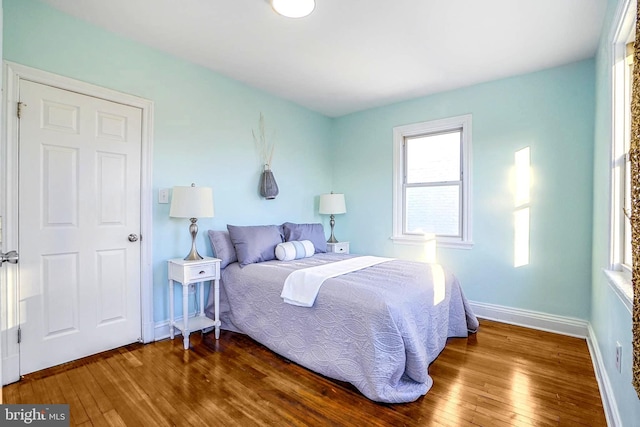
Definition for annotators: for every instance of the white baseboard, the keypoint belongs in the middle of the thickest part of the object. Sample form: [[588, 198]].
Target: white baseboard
[[561, 325], [532, 319], [148, 334], [606, 391], [161, 330]]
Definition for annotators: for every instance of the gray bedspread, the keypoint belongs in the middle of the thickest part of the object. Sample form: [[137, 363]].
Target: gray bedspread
[[376, 328]]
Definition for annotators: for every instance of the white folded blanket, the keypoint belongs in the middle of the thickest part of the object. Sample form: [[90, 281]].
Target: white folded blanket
[[302, 286]]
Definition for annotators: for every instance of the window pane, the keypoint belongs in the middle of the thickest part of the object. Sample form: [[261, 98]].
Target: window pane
[[433, 158], [627, 252], [433, 210]]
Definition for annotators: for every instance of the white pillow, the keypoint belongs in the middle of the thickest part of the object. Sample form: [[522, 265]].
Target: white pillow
[[294, 250]]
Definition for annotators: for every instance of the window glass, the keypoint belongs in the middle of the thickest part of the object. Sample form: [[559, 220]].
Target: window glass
[[433, 210], [433, 158]]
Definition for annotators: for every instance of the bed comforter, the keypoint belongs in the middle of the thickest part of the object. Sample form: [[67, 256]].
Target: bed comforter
[[378, 328]]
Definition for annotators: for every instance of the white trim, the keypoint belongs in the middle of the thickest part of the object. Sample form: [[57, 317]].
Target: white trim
[[606, 390], [620, 282], [9, 198], [161, 331], [399, 134], [532, 319], [13, 73], [419, 240], [623, 26], [2, 249]]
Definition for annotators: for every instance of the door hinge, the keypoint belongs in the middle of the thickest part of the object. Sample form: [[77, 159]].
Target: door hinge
[[20, 105], [19, 335]]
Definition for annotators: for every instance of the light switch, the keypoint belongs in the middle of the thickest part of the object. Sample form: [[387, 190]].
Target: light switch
[[163, 195]]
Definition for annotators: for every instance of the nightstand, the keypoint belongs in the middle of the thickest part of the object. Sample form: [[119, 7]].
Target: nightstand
[[338, 248], [187, 273]]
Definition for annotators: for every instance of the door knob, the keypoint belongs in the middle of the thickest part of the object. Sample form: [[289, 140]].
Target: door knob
[[11, 257], [133, 237]]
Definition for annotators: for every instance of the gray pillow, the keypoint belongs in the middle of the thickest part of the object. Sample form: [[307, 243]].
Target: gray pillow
[[222, 247], [255, 243], [313, 232]]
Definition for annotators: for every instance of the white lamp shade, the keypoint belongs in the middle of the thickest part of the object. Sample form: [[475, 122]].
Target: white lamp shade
[[332, 204], [293, 8], [191, 202]]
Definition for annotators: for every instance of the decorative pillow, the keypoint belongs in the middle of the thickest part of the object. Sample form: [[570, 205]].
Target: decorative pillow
[[312, 232], [256, 243], [222, 247], [294, 249]]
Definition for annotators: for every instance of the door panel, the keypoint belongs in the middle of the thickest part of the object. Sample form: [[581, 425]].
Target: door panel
[[79, 199]]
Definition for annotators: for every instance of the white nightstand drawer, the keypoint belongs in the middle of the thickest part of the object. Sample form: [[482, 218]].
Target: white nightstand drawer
[[338, 248], [199, 272]]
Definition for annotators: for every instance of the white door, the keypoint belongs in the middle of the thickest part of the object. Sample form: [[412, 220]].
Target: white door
[[79, 200]]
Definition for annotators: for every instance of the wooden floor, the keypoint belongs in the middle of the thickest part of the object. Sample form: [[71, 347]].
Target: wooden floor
[[502, 376]]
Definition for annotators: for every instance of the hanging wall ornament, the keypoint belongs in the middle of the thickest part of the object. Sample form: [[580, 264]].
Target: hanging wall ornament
[[268, 186]]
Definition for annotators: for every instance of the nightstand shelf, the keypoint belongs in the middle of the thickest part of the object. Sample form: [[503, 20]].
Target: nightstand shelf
[[187, 273]]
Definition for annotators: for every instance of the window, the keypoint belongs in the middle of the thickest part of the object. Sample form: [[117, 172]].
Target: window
[[431, 191], [626, 224], [621, 257], [619, 273]]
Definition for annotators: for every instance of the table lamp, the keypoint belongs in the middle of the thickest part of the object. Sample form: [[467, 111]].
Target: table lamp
[[193, 203], [332, 204]]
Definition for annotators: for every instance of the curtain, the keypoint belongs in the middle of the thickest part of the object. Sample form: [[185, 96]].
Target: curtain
[[634, 153]]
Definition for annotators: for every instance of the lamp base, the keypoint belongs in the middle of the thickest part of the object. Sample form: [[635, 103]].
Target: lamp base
[[193, 229], [193, 256], [332, 239]]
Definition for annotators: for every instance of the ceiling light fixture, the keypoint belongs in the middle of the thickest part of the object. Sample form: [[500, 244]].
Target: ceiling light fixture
[[293, 8]]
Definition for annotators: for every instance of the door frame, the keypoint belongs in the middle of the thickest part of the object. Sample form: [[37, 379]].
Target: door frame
[[9, 290]]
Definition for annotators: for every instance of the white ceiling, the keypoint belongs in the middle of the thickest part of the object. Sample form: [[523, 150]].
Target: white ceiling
[[350, 55]]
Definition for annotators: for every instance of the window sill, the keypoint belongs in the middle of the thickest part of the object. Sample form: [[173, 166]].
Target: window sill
[[620, 282], [441, 242]]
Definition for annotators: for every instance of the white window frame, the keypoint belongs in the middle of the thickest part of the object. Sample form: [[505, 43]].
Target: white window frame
[[619, 273], [400, 133]]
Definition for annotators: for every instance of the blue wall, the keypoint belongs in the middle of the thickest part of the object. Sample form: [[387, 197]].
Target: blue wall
[[202, 127], [202, 134], [551, 112], [610, 319]]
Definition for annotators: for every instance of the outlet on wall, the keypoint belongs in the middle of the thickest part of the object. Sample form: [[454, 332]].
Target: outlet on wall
[[192, 288], [618, 357]]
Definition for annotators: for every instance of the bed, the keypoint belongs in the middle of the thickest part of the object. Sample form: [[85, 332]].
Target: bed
[[377, 328]]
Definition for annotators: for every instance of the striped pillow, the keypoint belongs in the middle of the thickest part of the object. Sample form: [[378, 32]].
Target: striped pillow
[[294, 250]]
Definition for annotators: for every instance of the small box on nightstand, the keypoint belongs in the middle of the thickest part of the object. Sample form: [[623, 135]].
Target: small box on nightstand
[[338, 248]]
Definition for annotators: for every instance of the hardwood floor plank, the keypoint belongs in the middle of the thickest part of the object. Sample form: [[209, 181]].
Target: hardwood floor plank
[[502, 376], [159, 381], [87, 399], [83, 376], [113, 419], [77, 413], [113, 388]]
